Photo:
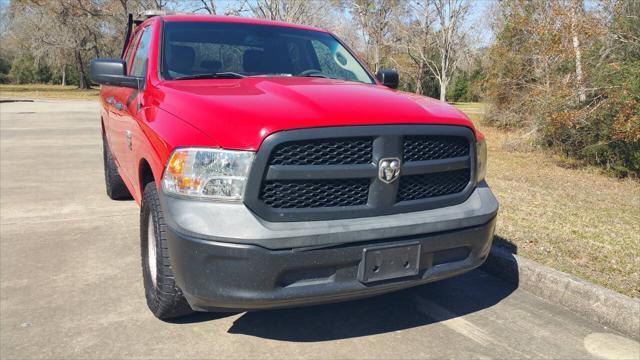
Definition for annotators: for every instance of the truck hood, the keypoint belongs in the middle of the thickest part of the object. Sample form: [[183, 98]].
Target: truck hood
[[240, 113]]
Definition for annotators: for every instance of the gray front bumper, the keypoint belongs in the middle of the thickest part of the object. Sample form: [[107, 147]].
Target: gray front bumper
[[235, 223], [225, 257]]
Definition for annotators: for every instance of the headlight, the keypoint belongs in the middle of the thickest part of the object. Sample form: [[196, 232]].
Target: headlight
[[207, 173], [481, 160]]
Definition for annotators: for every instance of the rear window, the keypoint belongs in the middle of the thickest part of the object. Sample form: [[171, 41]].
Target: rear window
[[191, 48]]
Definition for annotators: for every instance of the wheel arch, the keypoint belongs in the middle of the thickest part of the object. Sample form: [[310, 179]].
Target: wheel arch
[[145, 174]]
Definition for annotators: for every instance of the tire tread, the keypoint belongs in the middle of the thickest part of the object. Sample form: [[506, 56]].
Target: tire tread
[[165, 300]]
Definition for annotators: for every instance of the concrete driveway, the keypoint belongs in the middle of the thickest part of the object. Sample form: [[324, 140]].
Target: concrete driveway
[[71, 284]]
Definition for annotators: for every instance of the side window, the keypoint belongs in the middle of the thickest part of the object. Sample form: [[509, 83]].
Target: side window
[[139, 61], [333, 62], [132, 44]]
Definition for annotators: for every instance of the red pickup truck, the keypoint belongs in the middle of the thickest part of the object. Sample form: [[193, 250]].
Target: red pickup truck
[[274, 170]]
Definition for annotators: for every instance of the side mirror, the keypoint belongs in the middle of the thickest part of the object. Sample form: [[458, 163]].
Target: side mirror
[[113, 72], [388, 78]]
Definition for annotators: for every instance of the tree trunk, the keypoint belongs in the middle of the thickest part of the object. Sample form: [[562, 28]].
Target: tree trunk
[[82, 83], [444, 77], [419, 78], [443, 89], [582, 96], [376, 55], [64, 75]]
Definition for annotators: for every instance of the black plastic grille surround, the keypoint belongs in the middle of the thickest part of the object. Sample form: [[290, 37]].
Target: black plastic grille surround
[[423, 148], [424, 186], [332, 173], [323, 152], [301, 194]]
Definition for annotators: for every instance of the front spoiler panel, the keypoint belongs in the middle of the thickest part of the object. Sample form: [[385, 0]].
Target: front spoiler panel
[[216, 276]]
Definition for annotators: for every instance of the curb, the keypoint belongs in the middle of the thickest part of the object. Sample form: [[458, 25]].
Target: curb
[[588, 300]]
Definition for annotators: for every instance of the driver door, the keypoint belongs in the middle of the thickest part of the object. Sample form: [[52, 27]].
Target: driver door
[[127, 106]]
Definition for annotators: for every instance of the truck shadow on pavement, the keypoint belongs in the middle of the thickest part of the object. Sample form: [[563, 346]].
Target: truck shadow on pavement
[[420, 306]]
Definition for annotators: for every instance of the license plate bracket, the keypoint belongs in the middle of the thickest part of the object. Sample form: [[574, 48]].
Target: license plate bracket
[[388, 262]]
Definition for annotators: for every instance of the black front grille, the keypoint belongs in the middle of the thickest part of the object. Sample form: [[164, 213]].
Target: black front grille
[[424, 186], [423, 148], [315, 194], [333, 173], [323, 152]]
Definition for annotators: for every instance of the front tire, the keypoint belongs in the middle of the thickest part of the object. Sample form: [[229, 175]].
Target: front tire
[[164, 297]]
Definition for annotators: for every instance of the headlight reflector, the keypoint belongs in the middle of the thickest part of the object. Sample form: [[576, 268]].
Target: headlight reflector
[[481, 160], [207, 173]]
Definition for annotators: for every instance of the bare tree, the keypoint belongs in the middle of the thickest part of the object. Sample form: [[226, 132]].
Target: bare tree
[[160, 4], [294, 11], [208, 6], [418, 38], [374, 17], [576, 10], [42, 33], [450, 16], [69, 32]]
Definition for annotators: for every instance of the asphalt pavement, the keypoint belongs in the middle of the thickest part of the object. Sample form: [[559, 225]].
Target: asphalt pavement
[[71, 285]]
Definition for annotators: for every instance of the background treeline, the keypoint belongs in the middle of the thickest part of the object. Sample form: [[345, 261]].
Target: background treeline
[[565, 71], [571, 76]]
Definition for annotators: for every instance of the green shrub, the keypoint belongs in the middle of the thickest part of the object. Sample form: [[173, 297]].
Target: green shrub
[[25, 70], [531, 83]]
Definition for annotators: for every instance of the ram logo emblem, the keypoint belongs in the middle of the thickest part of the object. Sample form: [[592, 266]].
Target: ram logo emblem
[[388, 169]]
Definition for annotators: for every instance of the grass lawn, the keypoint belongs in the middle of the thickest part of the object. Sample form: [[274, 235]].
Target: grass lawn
[[39, 91], [574, 220]]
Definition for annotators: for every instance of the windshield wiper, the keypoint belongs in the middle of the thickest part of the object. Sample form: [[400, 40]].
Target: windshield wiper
[[218, 75], [273, 75], [318, 75]]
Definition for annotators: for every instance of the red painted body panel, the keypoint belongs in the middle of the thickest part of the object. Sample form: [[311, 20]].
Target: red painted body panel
[[240, 113]]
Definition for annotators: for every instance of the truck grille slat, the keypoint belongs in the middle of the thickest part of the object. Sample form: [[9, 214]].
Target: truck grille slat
[[332, 173], [416, 187], [422, 148], [314, 194], [323, 152]]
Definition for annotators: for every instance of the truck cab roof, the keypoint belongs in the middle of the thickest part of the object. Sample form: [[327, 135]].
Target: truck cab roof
[[169, 17]]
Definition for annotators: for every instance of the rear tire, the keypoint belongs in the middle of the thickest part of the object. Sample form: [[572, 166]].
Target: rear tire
[[164, 297], [116, 189]]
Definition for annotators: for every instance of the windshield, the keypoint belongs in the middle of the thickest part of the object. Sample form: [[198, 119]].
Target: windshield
[[195, 49]]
